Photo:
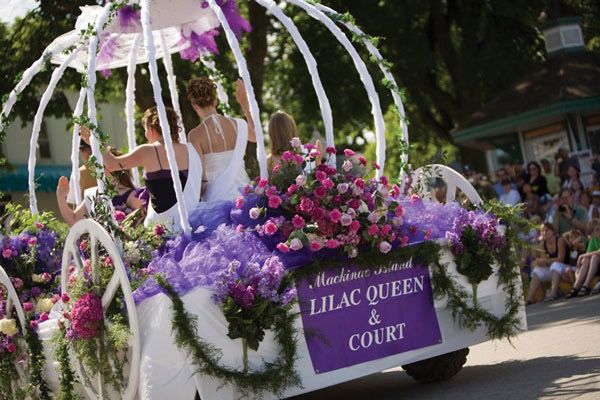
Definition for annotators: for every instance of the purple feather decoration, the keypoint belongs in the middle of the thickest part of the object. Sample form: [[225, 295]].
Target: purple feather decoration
[[196, 44], [237, 23]]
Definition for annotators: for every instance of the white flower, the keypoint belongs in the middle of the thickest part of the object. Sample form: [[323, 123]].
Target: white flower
[[132, 253], [346, 219], [373, 218], [363, 208], [351, 212], [254, 213], [353, 252], [385, 247], [295, 142], [43, 305], [37, 278], [300, 180], [347, 166], [342, 188], [8, 327], [296, 244]]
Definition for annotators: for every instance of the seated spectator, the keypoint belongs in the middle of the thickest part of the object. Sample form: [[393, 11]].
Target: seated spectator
[[594, 184], [480, 183], [502, 174], [552, 181], [578, 191], [563, 162], [536, 179], [531, 200], [553, 249], [585, 201], [575, 246], [594, 211], [509, 195], [587, 266], [573, 176], [568, 215]]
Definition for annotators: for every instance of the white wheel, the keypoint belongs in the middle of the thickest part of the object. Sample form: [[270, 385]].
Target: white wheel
[[453, 180], [14, 303], [99, 238]]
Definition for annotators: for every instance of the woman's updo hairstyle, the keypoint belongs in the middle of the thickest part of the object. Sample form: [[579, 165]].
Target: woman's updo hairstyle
[[202, 92], [150, 120]]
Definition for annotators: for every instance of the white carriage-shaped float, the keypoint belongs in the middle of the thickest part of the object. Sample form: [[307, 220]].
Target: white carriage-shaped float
[[412, 300]]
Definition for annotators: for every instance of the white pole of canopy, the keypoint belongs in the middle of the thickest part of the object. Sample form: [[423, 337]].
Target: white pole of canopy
[[212, 74], [386, 73], [162, 115], [172, 81], [365, 77], [311, 64], [37, 124], [245, 75], [75, 141], [130, 104], [91, 101]]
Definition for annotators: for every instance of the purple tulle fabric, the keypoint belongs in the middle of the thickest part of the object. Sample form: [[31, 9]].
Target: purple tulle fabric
[[129, 19], [237, 23], [108, 45]]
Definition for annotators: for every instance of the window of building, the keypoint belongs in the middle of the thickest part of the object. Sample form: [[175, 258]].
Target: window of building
[[44, 149]]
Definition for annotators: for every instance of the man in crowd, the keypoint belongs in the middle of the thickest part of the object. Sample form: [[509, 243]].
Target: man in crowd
[[564, 161], [568, 215], [552, 181]]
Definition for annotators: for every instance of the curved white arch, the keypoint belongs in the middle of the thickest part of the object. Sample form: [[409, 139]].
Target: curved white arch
[[130, 104], [374, 51], [162, 115], [453, 181], [172, 82], [245, 75], [37, 123], [365, 77], [12, 298], [75, 140], [311, 64], [91, 101]]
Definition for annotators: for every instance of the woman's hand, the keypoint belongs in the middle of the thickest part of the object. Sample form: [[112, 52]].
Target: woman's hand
[[62, 189]]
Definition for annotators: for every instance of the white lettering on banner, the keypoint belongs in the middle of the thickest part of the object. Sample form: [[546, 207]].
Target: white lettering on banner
[[378, 336], [343, 276], [328, 303], [394, 267], [381, 291]]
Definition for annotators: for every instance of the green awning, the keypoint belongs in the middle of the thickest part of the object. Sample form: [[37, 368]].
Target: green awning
[[46, 178]]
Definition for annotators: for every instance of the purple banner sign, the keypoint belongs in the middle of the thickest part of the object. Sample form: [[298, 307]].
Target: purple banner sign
[[353, 315]]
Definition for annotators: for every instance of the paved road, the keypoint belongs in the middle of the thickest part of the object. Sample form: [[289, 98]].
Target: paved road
[[558, 358]]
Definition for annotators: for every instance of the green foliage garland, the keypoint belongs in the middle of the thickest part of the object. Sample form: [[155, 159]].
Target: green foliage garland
[[37, 361], [66, 376], [8, 377], [275, 376]]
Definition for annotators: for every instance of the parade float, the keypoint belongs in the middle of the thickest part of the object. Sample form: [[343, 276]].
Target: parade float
[[315, 275]]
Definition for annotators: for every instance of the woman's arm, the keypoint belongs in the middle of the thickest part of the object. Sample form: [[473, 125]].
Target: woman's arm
[[562, 252], [130, 160], [69, 215], [242, 98]]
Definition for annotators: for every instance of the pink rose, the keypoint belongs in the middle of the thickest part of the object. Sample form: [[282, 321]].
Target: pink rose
[[46, 277], [239, 228], [40, 225], [315, 246], [395, 191], [296, 244], [342, 188], [320, 192], [271, 191], [298, 222], [263, 183], [375, 165], [385, 247], [320, 175], [351, 212], [254, 213], [43, 317], [300, 180], [330, 150], [11, 347], [247, 189], [274, 201], [159, 230], [276, 168], [349, 153], [7, 253], [318, 213], [295, 142], [347, 166], [17, 282], [282, 247], [414, 198], [55, 298], [287, 156], [346, 220], [399, 211], [270, 228], [404, 241], [332, 244], [119, 215], [32, 241], [83, 245], [373, 230], [354, 226], [27, 306], [292, 188], [362, 161], [359, 182], [34, 324], [298, 159], [384, 180], [335, 215], [373, 218], [385, 230], [309, 146], [427, 234], [239, 202], [65, 297], [306, 205], [327, 183]]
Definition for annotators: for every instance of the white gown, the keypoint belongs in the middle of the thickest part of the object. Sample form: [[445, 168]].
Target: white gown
[[225, 171]]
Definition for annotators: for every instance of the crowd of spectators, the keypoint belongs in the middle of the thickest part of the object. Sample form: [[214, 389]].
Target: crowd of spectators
[[564, 214]]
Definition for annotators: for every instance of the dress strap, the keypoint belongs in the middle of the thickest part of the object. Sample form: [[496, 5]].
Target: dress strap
[[157, 157], [208, 136]]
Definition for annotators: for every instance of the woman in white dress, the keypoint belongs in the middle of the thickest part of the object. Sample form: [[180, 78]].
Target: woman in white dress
[[220, 141]]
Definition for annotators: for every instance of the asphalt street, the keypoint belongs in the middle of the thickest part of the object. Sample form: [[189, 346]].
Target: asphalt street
[[557, 358]]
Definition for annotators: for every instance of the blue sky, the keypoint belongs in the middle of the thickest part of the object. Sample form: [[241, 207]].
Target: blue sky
[[10, 9]]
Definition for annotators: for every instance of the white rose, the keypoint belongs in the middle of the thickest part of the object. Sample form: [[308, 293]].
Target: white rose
[[44, 305], [296, 244], [37, 278], [8, 327], [300, 180], [347, 166], [295, 142], [132, 253]]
